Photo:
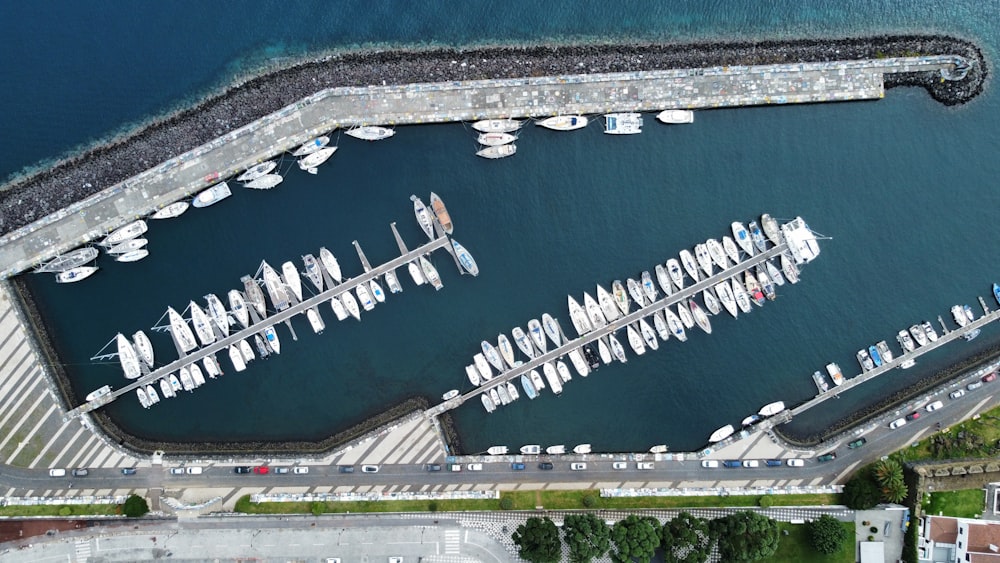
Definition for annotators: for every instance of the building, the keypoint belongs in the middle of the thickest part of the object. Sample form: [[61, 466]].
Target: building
[[958, 540]]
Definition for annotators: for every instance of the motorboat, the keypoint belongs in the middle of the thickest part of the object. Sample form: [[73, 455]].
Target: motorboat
[[495, 397], [700, 318], [740, 295], [180, 331], [675, 325], [648, 335], [291, 276], [217, 311], [262, 350], [143, 347], [423, 216], [430, 273], [605, 351], [311, 146], [648, 286], [330, 264], [246, 350], [731, 249], [197, 377], [186, 382], [537, 336], [903, 337], [310, 162], [996, 292], [556, 450], [364, 297], [757, 236], [742, 237], [522, 341], [958, 313], [765, 284], [865, 360], [497, 450], [717, 253], [202, 324], [166, 390], [663, 278], [711, 301], [771, 409], [531, 450], [660, 323], [968, 313], [753, 288], [491, 355], [376, 291], [563, 370], [874, 355], [552, 378], [315, 321], [393, 282], [441, 213], [635, 341], [621, 297], [370, 133], [487, 402], [473, 374], [338, 308], [703, 257], [254, 296], [497, 125], [68, 261], [833, 370], [482, 366], [236, 357], [579, 317], [607, 303], [276, 289], [536, 380], [501, 390], [414, 269], [212, 195], [579, 364], [771, 229], [675, 116], [175, 383], [594, 313], [465, 258], [506, 350], [512, 392], [493, 153], [659, 449], [918, 335], [884, 351], [212, 367], [127, 357], [821, 385], [257, 171], [175, 209], [684, 314], [152, 395], [623, 123], [690, 266], [122, 234], [143, 398], [312, 271], [271, 338], [617, 350], [774, 273], [722, 433], [551, 328], [265, 182], [495, 139], [128, 246], [932, 334], [133, 256], [751, 420], [449, 395], [725, 293], [675, 272], [802, 242], [564, 122]]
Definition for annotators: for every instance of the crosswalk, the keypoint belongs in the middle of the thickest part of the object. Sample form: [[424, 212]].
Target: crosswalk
[[82, 551], [452, 542]]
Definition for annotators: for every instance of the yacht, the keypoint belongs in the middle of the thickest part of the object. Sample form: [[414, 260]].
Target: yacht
[[130, 231], [552, 378], [717, 253], [292, 280], [579, 364], [186, 382], [482, 366], [563, 370], [494, 153], [254, 296], [271, 338], [594, 313], [617, 350], [753, 289], [684, 314], [607, 303], [423, 216], [740, 295], [393, 282], [315, 321], [726, 297], [265, 182], [311, 162], [521, 339], [430, 273], [128, 246], [905, 341], [338, 308], [495, 139], [212, 195], [722, 433], [127, 357], [648, 335], [536, 334], [166, 390], [675, 272], [700, 318], [555, 450], [833, 370], [196, 375], [370, 133], [330, 264], [143, 398], [376, 291], [774, 273], [648, 286], [275, 287], [237, 358], [364, 298], [506, 350], [143, 347], [730, 248], [742, 237], [578, 316], [661, 326], [202, 324], [623, 123], [801, 241], [820, 382], [414, 269], [621, 297], [487, 403], [564, 122], [257, 171], [605, 351], [675, 324], [865, 360], [958, 313], [536, 380], [441, 213], [765, 284], [491, 355], [68, 261], [497, 125], [133, 256], [663, 278], [711, 301], [771, 229], [473, 374], [932, 334], [313, 272], [211, 366], [582, 449], [757, 236], [175, 209], [246, 350], [884, 351], [181, 332], [311, 146], [675, 116], [464, 258], [703, 257], [919, 335], [551, 329], [218, 313], [690, 266], [635, 340]]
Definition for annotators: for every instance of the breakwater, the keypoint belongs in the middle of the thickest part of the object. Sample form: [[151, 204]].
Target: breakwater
[[73, 180]]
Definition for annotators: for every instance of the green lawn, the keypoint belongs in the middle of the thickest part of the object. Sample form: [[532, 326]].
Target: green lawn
[[968, 439], [967, 503], [59, 510], [795, 548]]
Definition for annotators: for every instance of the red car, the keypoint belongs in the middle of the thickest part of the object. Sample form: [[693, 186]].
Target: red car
[[990, 377], [260, 470], [913, 416]]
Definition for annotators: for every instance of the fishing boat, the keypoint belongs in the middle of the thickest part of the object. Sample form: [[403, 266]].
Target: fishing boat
[[865, 360], [551, 328], [774, 273], [528, 386], [197, 377], [497, 125], [143, 347], [675, 272], [257, 171], [579, 317], [128, 246], [212, 195], [531, 450], [536, 380], [143, 398], [753, 288], [884, 351], [660, 324], [903, 337], [465, 258], [742, 237], [423, 216], [237, 358], [700, 318], [364, 297], [271, 338], [315, 321], [483, 367], [918, 335], [730, 248], [181, 332], [393, 282], [312, 271], [675, 325], [217, 312], [376, 291], [265, 182], [430, 273], [711, 301], [725, 293], [648, 335], [487, 403], [127, 357], [617, 349], [495, 139], [958, 313], [330, 264], [497, 450], [820, 382], [312, 161], [722, 433], [292, 279], [441, 212], [564, 122], [579, 364], [607, 303], [552, 378], [68, 261], [276, 289], [648, 287], [212, 367], [772, 409], [740, 295], [623, 123], [717, 253], [594, 313], [166, 390], [675, 116], [765, 284], [122, 234], [932, 334], [246, 350], [833, 370], [186, 382], [311, 146], [635, 341], [620, 296], [690, 266], [370, 133], [605, 351], [757, 236], [536, 334], [663, 278], [506, 350], [555, 450], [491, 355], [493, 153], [703, 257], [771, 229], [175, 209], [133, 256], [563, 370]]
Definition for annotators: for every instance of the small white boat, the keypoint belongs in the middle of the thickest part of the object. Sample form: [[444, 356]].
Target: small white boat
[[133, 256], [175, 383], [311, 146], [506, 350], [771, 229], [505, 398], [473, 374], [772, 409], [262, 348], [648, 286], [127, 357], [521, 339], [675, 116], [271, 337], [690, 265], [742, 237], [635, 290], [143, 398], [740, 295], [675, 272], [246, 350], [393, 282], [578, 316], [497, 125], [364, 298], [175, 209], [663, 278], [579, 364], [376, 291], [291, 276], [582, 449], [488, 403], [68, 261], [512, 392], [186, 382], [623, 123], [202, 324], [414, 269], [529, 387], [315, 321], [684, 314], [196, 375], [675, 324], [704, 258], [563, 370], [351, 304], [531, 450], [617, 349], [493, 153], [648, 335], [212, 195], [635, 341], [212, 367], [236, 357], [661, 326], [166, 390], [495, 397], [659, 449], [774, 273], [718, 253], [311, 163], [143, 347], [430, 273], [338, 308], [552, 378], [370, 133], [257, 171], [130, 231], [605, 351], [607, 303], [789, 268], [483, 367], [564, 122], [621, 296], [491, 355], [722, 433], [700, 318], [555, 450], [536, 380], [423, 216], [465, 258], [537, 335], [833, 370], [330, 264], [594, 313], [495, 139], [731, 249], [128, 246], [497, 450], [711, 301], [265, 182]]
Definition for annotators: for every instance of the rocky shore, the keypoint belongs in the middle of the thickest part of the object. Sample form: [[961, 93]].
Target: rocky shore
[[28, 199]]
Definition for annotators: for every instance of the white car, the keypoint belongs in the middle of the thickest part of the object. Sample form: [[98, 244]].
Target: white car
[[578, 466], [619, 465], [957, 394], [934, 406], [475, 467], [299, 470], [897, 423], [710, 464], [369, 469], [751, 463], [795, 463], [645, 465]]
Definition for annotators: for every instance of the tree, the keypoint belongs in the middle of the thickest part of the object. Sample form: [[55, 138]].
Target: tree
[[862, 492], [506, 503], [587, 536], [686, 539], [745, 536], [826, 534], [635, 537], [889, 476], [316, 507], [538, 541], [135, 506]]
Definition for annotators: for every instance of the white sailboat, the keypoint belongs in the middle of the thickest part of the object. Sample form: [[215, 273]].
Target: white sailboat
[[257, 171], [607, 303], [537, 335], [218, 313], [143, 347], [236, 357], [338, 308], [122, 234], [127, 357], [181, 332], [202, 326], [423, 216], [238, 306], [370, 133], [330, 264], [351, 304], [551, 328], [175, 209], [292, 280], [312, 161], [271, 338]]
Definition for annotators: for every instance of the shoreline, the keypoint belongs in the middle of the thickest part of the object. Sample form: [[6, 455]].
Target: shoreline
[[27, 199]]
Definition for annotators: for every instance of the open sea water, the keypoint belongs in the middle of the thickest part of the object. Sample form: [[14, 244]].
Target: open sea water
[[904, 187]]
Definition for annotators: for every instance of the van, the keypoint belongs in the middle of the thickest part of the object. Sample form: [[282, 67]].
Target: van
[[732, 463], [57, 472], [195, 470]]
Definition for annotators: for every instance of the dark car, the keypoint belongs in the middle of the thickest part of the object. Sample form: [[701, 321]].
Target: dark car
[[857, 443], [545, 465], [774, 463], [913, 416], [80, 472], [732, 463], [128, 471], [242, 470], [346, 468], [517, 466], [433, 467], [827, 457]]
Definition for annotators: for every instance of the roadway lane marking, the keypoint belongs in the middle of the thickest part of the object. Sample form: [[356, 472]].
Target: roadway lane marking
[[68, 445], [31, 433], [846, 470], [51, 442]]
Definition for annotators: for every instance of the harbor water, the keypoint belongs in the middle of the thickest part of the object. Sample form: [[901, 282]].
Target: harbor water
[[904, 186]]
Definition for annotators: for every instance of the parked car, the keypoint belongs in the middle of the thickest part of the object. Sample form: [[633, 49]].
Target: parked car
[[57, 472], [261, 470], [517, 466], [957, 394], [751, 463], [934, 406], [242, 470], [913, 416], [433, 467], [281, 470], [897, 423], [857, 443], [644, 465], [974, 386], [827, 457], [80, 472], [710, 463], [455, 467], [300, 470], [732, 463], [369, 469], [619, 465], [346, 468], [475, 467], [774, 463], [177, 471], [795, 462], [128, 471], [990, 377], [545, 465], [578, 466], [193, 470]]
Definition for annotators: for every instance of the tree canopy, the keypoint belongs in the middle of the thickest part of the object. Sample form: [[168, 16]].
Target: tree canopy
[[889, 475], [745, 536], [538, 541], [686, 539], [862, 492], [587, 536], [635, 537], [135, 506], [826, 534]]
